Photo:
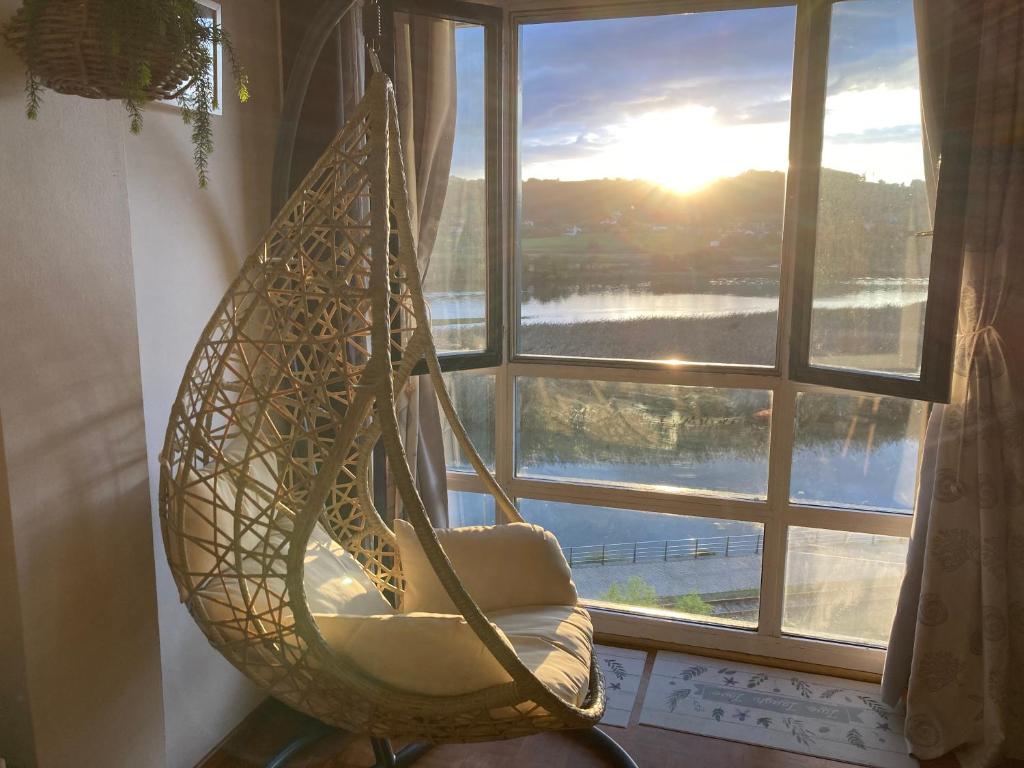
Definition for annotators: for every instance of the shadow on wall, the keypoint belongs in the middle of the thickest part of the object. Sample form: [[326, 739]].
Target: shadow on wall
[[15, 722], [168, 135]]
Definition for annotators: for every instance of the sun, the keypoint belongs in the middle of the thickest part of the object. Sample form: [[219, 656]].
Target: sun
[[679, 149], [683, 149]]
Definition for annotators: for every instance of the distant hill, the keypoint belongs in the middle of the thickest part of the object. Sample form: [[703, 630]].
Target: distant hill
[[755, 195], [865, 228]]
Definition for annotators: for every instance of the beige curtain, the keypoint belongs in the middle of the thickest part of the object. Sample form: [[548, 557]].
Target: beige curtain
[[425, 88], [957, 649]]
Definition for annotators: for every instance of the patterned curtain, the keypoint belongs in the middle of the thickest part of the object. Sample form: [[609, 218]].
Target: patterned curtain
[[425, 90], [956, 654]]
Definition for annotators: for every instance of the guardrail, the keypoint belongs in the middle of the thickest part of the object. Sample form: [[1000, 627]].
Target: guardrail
[[702, 546], [665, 550]]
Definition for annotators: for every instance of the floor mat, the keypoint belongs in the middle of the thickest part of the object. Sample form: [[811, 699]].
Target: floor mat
[[622, 668], [797, 712]]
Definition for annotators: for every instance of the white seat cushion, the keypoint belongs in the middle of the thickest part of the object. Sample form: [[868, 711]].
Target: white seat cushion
[[440, 654], [334, 581], [555, 642], [427, 653]]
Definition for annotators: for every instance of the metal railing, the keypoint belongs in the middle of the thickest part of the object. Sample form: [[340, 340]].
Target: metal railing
[[745, 545], [665, 549]]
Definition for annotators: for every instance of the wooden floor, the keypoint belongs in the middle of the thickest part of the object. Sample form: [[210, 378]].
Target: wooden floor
[[273, 725]]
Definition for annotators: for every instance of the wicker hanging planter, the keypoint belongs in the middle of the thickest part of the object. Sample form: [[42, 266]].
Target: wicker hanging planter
[[135, 51], [66, 48]]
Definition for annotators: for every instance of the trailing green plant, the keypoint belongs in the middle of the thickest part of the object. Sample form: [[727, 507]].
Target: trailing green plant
[[153, 49]]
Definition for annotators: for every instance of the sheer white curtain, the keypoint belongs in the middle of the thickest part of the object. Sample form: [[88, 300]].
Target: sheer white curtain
[[956, 653], [425, 87]]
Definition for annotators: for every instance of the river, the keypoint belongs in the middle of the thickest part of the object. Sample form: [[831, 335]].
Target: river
[[631, 303]]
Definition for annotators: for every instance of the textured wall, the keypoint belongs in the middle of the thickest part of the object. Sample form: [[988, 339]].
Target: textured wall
[[111, 261], [78, 517], [187, 245]]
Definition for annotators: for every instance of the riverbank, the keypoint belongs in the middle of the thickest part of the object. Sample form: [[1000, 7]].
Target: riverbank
[[748, 339]]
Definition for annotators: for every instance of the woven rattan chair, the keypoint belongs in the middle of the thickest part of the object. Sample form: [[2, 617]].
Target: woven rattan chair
[[268, 456]]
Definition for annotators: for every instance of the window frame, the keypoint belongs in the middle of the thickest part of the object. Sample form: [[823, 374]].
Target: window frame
[[492, 20], [938, 338], [777, 513]]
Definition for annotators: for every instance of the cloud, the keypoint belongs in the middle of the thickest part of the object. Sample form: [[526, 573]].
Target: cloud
[[580, 76], [894, 68], [897, 134], [584, 82], [572, 148]]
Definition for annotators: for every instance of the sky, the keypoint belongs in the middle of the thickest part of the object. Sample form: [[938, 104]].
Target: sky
[[684, 99]]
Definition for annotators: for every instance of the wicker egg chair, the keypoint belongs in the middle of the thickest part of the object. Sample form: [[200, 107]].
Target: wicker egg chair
[[266, 472]]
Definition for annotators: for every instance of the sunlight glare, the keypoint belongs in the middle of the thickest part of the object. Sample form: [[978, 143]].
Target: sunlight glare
[[683, 149], [674, 148]]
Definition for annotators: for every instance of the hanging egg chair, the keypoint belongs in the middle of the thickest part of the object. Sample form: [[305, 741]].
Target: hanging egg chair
[[266, 502]]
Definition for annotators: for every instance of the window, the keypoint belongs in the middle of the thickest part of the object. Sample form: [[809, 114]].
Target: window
[[209, 13], [463, 283], [705, 440], [713, 379], [652, 204], [842, 585], [468, 508], [472, 394], [872, 309], [873, 244], [697, 568], [856, 451], [456, 283]]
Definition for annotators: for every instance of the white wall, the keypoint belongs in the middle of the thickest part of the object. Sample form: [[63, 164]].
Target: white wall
[[77, 536], [187, 245], [111, 262]]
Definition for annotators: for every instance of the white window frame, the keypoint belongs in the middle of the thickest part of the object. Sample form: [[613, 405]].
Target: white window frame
[[218, 62]]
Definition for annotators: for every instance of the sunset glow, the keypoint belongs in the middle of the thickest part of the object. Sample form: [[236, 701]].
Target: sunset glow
[[683, 149]]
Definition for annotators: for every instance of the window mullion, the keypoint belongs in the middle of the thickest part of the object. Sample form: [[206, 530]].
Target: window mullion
[[853, 520], [504, 425], [773, 564], [640, 499], [808, 104]]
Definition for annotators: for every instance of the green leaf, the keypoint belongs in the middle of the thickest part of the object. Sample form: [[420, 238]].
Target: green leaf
[[134, 116], [33, 88]]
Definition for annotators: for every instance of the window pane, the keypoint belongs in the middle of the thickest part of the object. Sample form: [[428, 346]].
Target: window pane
[[473, 396], [653, 154], [702, 568], [842, 586], [696, 438], [871, 266], [456, 280], [856, 451], [467, 508]]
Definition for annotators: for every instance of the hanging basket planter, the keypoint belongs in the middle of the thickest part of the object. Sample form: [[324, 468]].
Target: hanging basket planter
[[63, 44], [135, 51]]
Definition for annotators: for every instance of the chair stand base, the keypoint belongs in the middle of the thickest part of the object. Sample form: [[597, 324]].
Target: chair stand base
[[386, 757], [315, 731], [608, 747], [383, 753]]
